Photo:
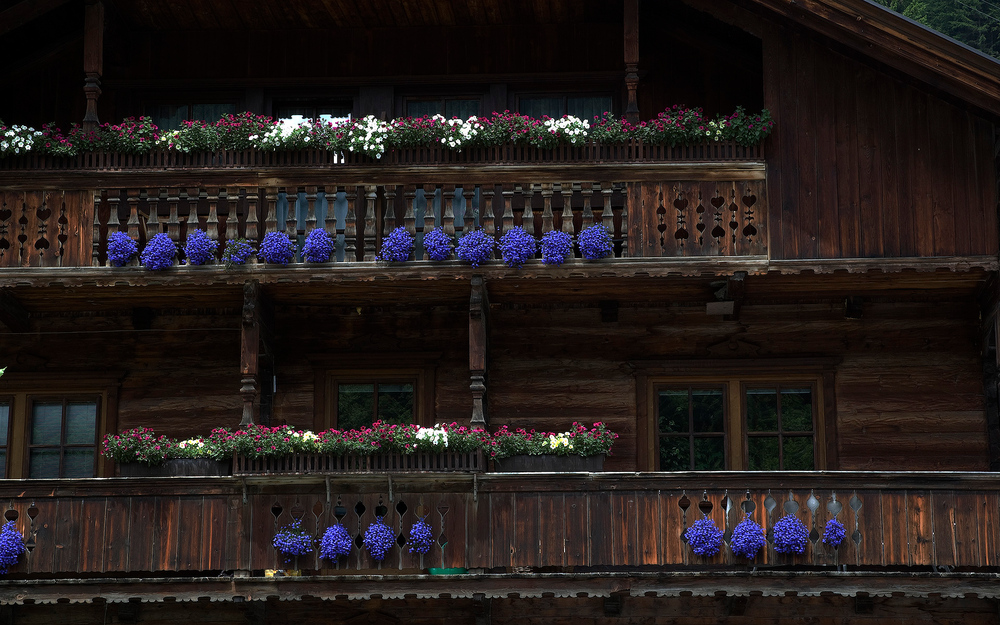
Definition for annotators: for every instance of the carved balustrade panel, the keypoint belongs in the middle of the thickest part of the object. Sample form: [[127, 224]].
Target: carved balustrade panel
[[44, 228]]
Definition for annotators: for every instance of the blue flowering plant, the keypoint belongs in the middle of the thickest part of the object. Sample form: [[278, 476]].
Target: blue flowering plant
[[475, 247], [159, 252], [294, 540], [790, 535], [276, 248], [438, 244], [335, 543], [397, 247], [11, 545], [378, 539], [517, 246], [834, 533], [557, 246], [704, 537], [595, 242], [199, 249], [319, 246], [237, 253], [121, 249], [748, 539], [421, 537]]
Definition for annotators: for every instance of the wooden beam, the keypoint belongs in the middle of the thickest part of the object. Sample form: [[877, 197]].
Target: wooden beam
[[93, 59], [12, 313], [478, 337], [632, 59], [26, 11]]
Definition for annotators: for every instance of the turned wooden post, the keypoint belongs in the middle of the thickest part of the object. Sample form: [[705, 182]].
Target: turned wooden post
[[93, 60], [478, 338], [632, 60], [249, 348]]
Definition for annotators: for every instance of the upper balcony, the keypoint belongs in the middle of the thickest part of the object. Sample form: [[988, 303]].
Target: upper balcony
[[657, 201]]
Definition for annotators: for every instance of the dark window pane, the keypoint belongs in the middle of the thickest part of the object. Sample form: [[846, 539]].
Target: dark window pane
[[169, 116], [796, 410], [541, 107], [588, 107], [463, 109], [424, 108], [707, 409], [355, 405], [673, 411], [46, 423], [212, 112], [3, 463], [43, 463], [395, 403], [762, 410], [81, 423], [4, 422], [675, 454], [78, 463], [763, 453], [799, 453], [709, 454]]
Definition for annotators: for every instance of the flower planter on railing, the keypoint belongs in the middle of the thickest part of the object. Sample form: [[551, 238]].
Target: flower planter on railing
[[175, 467], [549, 463], [322, 464]]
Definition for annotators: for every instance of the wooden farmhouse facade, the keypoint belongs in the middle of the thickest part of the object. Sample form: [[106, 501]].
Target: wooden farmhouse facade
[[805, 325]]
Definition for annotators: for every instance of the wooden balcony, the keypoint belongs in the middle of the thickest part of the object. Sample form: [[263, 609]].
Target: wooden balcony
[[495, 523], [658, 202]]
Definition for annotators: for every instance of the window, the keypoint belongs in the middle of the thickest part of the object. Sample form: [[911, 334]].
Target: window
[[582, 106], [63, 437], [746, 421], [51, 425], [352, 398], [463, 108], [313, 109], [360, 404], [170, 116]]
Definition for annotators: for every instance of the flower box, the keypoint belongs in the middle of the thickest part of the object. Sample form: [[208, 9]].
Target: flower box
[[550, 463], [295, 464], [177, 467]]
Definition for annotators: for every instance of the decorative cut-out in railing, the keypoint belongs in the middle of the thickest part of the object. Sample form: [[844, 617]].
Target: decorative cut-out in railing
[[35, 228]]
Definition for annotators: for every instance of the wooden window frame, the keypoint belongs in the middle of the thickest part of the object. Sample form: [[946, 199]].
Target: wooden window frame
[[816, 389], [734, 375], [443, 99], [691, 435], [565, 95], [26, 388], [64, 399], [9, 400]]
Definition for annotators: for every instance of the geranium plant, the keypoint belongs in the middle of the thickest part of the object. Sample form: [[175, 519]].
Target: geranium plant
[[137, 445], [578, 441]]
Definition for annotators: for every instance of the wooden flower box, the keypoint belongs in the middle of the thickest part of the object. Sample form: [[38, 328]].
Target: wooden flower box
[[298, 464]]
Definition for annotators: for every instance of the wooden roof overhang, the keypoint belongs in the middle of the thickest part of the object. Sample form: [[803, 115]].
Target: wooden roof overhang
[[501, 586], [689, 281]]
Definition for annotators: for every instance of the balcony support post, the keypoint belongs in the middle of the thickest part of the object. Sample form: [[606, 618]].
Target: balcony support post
[[478, 346], [249, 349], [632, 60], [93, 60]]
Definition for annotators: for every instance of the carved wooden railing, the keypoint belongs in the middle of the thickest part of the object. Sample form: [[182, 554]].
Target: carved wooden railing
[[629, 152], [326, 464], [562, 522], [654, 219]]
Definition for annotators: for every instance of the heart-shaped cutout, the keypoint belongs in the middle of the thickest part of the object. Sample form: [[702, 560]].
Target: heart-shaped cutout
[[749, 200], [680, 203]]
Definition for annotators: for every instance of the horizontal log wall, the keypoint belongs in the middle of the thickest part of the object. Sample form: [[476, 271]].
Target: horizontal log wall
[[866, 165], [501, 522]]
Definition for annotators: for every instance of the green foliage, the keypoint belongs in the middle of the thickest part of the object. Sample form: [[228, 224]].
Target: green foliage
[[975, 23]]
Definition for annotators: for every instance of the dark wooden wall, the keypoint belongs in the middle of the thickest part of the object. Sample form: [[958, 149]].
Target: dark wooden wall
[[862, 164]]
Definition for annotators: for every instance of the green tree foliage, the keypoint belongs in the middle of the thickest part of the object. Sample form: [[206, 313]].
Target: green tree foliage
[[975, 23]]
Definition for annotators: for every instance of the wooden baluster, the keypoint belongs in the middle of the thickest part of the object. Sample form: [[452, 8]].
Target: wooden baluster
[[96, 245], [468, 217], [311, 209], [371, 195], [330, 224], [528, 216], [448, 209], [507, 220], [114, 198], [410, 215], [351, 226], [271, 219], [252, 230], [133, 214], [191, 198], [232, 214], [624, 223], [389, 216], [479, 307], [173, 221], [607, 216], [547, 215], [429, 217], [566, 190], [291, 219], [587, 189], [212, 224], [153, 218]]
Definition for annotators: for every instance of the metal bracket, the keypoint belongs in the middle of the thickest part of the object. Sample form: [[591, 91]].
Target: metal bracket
[[328, 491], [390, 489]]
